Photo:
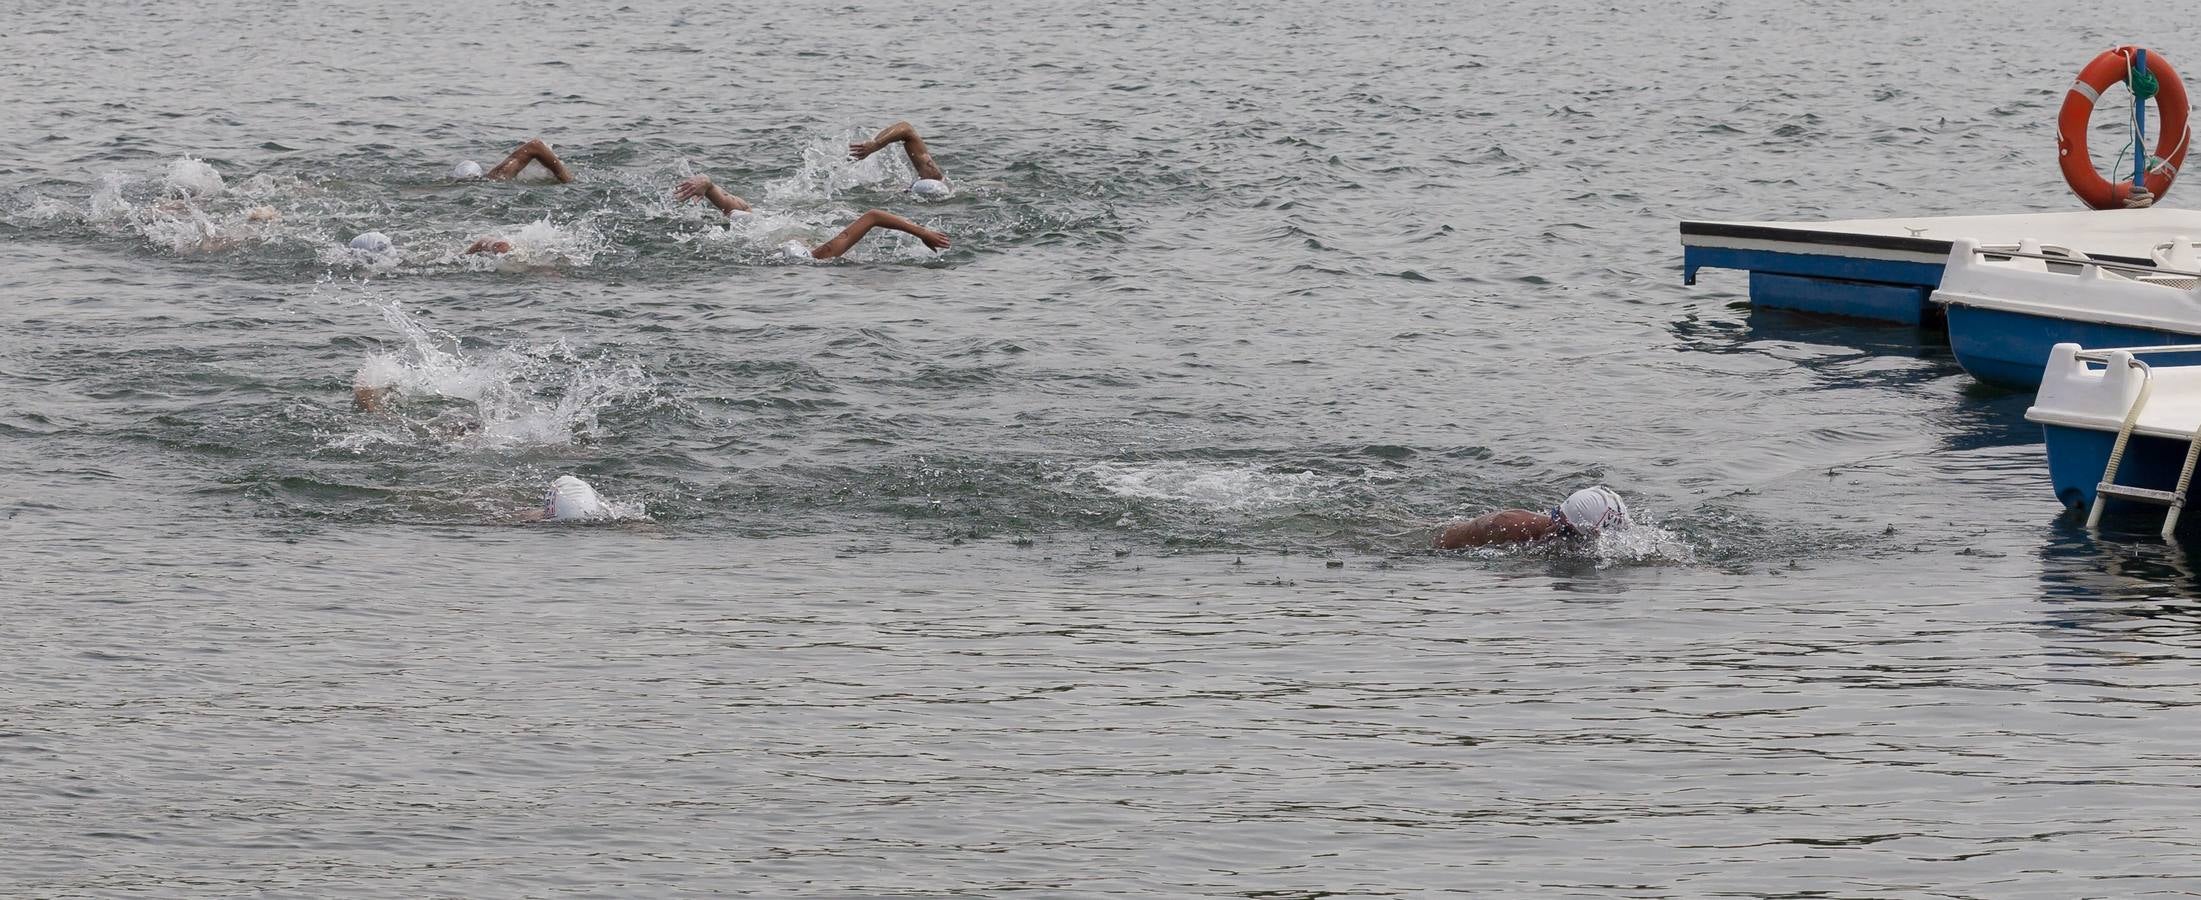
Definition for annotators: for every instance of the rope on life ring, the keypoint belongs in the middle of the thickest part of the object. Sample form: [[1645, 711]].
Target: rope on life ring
[[2112, 67]]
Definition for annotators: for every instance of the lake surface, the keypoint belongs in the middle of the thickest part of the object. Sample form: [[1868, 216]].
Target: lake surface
[[1087, 557]]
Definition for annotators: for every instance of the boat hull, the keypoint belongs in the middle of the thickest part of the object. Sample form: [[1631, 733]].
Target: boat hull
[[2077, 456], [2011, 348]]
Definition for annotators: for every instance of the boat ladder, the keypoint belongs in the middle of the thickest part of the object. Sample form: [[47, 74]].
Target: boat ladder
[[2176, 498]]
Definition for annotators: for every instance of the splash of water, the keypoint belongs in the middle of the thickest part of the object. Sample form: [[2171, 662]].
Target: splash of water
[[108, 203], [1213, 487], [183, 218], [192, 178], [1643, 543], [535, 395], [827, 172], [545, 243]]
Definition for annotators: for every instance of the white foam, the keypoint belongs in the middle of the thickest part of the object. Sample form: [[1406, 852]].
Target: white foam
[[1640, 543], [48, 209], [827, 171], [190, 177], [1214, 486], [539, 395], [188, 215], [107, 202], [546, 243], [186, 230]]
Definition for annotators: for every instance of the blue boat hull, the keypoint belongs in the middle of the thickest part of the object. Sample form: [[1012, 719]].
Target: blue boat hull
[[2011, 348], [2077, 456]]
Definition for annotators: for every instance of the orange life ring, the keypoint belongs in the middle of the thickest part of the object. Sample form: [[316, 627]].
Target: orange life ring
[[2078, 107]]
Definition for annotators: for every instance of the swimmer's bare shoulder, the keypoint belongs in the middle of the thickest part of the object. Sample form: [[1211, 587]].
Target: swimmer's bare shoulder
[[1506, 526]]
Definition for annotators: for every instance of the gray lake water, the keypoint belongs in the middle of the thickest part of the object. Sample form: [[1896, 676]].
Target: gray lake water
[[1088, 557]]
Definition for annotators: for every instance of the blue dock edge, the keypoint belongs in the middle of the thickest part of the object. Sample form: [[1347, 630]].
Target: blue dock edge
[[1833, 282], [1860, 274]]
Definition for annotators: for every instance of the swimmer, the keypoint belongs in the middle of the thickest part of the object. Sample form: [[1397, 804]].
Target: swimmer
[[378, 244], [1582, 515], [532, 151], [931, 183], [371, 398], [701, 186]]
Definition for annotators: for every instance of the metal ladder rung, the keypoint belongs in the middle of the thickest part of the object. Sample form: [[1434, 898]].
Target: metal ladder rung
[[2144, 495]]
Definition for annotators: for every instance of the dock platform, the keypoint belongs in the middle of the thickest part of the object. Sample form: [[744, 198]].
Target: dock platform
[[1887, 269]]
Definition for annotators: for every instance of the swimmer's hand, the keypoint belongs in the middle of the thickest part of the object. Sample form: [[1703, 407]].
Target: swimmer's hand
[[861, 149], [933, 239], [498, 246], [691, 188], [701, 186]]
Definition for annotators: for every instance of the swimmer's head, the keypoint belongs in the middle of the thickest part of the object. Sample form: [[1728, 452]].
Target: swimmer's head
[[370, 398], [572, 500], [372, 242], [466, 170], [1591, 510], [929, 188], [795, 250]]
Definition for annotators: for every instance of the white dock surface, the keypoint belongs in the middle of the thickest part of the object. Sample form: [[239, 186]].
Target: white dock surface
[[2123, 233]]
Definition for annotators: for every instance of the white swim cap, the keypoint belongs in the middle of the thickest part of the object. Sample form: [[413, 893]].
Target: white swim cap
[[1592, 509], [372, 242], [929, 188], [466, 170], [572, 500], [795, 250]]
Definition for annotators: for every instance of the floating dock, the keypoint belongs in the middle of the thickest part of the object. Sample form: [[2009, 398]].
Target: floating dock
[[1887, 269]]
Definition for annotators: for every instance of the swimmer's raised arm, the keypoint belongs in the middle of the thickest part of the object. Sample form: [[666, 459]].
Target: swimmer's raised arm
[[532, 151], [701, 186], [905, 134], [877, 218]]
